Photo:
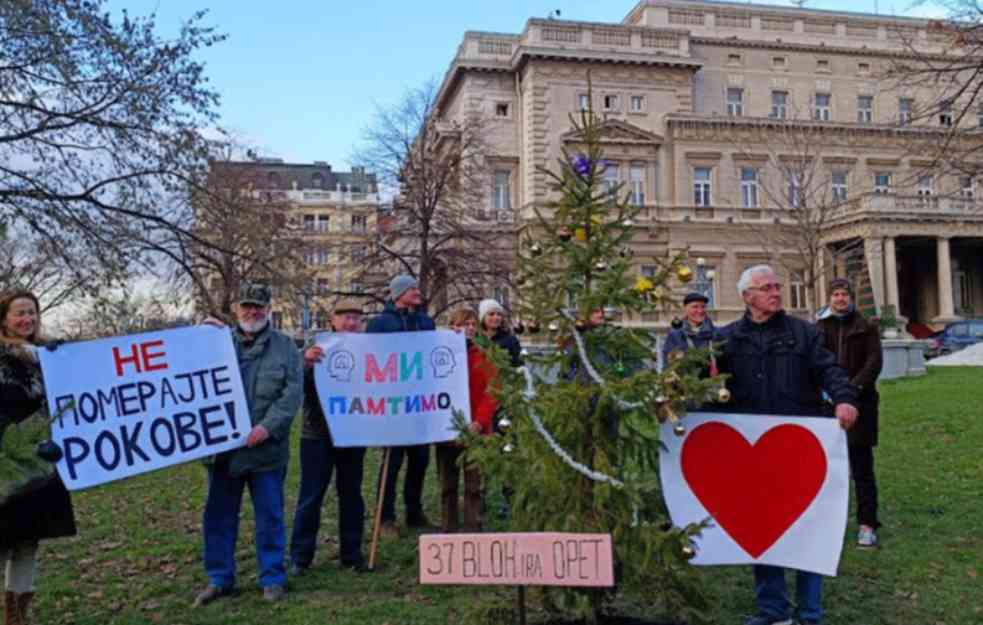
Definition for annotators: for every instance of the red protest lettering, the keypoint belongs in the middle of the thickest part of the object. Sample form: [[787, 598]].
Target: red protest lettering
[[134, 358], [149, 356], [372, 371]]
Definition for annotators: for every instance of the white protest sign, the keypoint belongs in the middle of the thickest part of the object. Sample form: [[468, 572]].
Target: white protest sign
[[132, 404], [776, 488], [381, 390]]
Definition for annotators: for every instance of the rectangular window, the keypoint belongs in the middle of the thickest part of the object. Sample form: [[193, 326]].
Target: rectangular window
[[323, 256], [359, 252], [735, 101], [611, 179], [704, 283], [979, 117], [323, 286], [637, 104], [733, 59], [309, 223], [966, 187], [649, 270], [796, 291], [839, 186], [501, 294], [583, 102], [359, 223], [779, 62], [636, 176], [323, 223], [882, 182], [612, 102], [277, 320], [502, 109], [749, 187], [701, 186], [321, 319], [502, 192], [926, 186], [945, 114], [904, 111], [822, 65], [779, 103], [822, 111], [794, 191], [863, 68], [865, 109]]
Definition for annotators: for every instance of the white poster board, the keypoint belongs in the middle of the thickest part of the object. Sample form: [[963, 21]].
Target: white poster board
[[382, 390], [776, 488], [132, 404]]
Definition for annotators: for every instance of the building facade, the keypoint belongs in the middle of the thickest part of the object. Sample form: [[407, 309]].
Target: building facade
[[709, 110]]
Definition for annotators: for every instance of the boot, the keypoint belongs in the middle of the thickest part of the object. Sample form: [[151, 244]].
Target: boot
[[23, 604], [9, 608]]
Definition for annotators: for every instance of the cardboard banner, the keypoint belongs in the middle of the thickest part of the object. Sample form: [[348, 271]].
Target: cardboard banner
[[776, 488], [133, 404], [524, 559], [381, 390]]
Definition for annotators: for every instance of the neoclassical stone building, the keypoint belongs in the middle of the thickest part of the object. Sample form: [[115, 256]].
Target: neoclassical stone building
[[706, 103]]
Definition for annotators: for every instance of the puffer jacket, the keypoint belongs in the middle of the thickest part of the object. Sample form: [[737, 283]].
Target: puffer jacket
[[393, 319]]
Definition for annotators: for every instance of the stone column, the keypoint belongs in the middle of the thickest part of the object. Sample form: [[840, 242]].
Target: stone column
[[947, 311], [822, 278], [891, 273], [874, 255]]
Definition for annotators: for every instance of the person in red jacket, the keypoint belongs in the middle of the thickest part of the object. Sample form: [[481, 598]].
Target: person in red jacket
[[481, 375]]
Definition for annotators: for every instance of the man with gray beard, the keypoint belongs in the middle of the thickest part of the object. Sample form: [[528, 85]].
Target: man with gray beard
[[273, 381]]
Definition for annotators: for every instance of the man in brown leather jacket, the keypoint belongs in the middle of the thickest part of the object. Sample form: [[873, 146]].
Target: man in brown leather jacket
[[857, 345]]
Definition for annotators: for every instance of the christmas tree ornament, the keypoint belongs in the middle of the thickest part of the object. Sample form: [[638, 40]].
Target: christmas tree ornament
[[661, 399], [701, 261], [523, 352], [643, 285], [581, 233], [684, 274], [676, 355], [580, 324], [533, 327], [627, 222], [504, 424], [619, 369], [553, 326], [536, 249], [508, 448], [672, 378], [563, 233], [600, 265], [711, 274], [520, 328], [520, 281], [626, 252], [676, 323], [723, 395], [678, 429], [658, 292], [688, 552]]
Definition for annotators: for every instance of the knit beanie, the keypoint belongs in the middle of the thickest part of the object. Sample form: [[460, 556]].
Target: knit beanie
[[401, 284], [486, 306]]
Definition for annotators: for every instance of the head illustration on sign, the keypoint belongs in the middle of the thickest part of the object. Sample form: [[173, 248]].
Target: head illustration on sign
[[442, 360], [341, 363]]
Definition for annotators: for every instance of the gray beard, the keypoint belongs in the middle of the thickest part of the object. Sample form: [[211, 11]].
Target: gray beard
[[252, 327]]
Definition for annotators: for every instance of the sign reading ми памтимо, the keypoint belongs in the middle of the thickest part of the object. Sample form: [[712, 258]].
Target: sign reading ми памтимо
[[522, 559]]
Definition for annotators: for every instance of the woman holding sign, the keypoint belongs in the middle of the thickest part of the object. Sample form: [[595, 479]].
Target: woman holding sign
[[34, 504]]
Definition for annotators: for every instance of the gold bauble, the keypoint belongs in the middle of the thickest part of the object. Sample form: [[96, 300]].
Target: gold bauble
[[723, 395], [676, 355], [684, 274], [643, 285]]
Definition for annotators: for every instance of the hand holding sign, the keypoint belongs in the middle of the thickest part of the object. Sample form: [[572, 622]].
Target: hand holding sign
[[257, 436], [846, 415]]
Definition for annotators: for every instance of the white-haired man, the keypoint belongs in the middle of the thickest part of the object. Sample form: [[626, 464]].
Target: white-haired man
[[778, 366]]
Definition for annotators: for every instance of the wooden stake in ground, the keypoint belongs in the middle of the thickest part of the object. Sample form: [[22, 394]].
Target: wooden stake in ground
[[380, 497]]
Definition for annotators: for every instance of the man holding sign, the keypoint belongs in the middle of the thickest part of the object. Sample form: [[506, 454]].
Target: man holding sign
[[272, 377], [778, 366]]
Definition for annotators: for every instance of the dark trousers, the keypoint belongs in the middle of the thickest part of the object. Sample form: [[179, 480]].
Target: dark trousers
[[450, 472], [417, 459], [318, 459], [864, 484]]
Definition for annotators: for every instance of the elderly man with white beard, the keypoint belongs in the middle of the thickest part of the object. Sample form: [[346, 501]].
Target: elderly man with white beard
[[273, 380]]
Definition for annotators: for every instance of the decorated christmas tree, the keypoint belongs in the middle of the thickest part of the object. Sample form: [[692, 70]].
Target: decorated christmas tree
[[580, 422]]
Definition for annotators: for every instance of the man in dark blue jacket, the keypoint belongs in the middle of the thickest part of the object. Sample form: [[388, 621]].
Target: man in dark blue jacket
[[404, 313], [696, 331], [778, 366]]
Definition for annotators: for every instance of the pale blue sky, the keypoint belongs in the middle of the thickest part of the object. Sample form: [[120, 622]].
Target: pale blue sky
[[301, 78]]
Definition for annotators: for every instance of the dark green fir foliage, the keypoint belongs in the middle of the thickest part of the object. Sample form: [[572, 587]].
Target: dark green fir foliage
[[574, 262]]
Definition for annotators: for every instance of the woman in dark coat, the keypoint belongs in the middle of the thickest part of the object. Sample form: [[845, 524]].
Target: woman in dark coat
[[35, 504], [491, 322]]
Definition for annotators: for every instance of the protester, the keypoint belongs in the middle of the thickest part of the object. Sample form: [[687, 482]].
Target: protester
[[491, 318], [404, 312], [319, 458], [778, 366], [35, 504], [696, 331], [481, 376], [273, 379], [857, 346]]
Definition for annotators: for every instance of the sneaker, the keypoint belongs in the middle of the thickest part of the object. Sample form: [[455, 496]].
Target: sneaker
[[296, 570], [211, 593], [761, 619], [389, 530], [274, 593], [866, 537]]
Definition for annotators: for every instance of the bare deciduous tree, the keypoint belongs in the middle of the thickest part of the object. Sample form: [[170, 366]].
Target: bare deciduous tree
[[441, 229]]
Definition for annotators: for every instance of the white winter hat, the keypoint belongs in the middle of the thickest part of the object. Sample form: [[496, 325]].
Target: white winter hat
[[486, 306]]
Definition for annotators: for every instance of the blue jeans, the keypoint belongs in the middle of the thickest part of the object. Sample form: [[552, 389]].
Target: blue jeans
[[318, 459], [769, 589], [418, 457], [221, 525]]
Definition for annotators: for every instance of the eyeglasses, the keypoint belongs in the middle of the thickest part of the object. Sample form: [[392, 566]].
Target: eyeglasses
[[766, 288]]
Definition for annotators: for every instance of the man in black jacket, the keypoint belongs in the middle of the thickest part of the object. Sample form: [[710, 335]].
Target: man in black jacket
[[404, 313], [778, 366]]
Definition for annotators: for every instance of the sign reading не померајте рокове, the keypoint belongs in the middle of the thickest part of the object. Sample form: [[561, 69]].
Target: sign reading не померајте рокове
[[379, 390], [131, 404]]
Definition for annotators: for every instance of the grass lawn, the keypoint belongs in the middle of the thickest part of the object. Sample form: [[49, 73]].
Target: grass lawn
[[138, 556]]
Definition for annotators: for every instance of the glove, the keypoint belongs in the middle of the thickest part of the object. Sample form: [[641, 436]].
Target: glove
[[53, 345], [49, 451]]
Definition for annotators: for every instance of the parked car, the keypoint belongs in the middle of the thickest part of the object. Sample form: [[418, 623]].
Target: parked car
[[956, 336]]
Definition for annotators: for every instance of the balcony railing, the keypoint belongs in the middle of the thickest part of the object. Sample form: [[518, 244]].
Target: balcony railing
[[317, 196], [920, 204]]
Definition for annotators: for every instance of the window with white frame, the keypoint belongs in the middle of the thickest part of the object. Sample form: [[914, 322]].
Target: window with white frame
[[966, 187], [794, 190], [310, 222], [323, 256], [945, 113], [636, 104], [610, 179], [636, 177], [779, 104], [359, 253], [979, 117], [838, 182], [926, 186], [822, 111], [310, 257], [865, 109], [905, 106], [502, 190], [701, 186], [796, 290], [323, 286], [276, 319], [649, 271], [735, 101], [703, 284], [611, 102], [779, 62], [882, 182], [583, 101], [359, 223], [749, 187], [323, 223]]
